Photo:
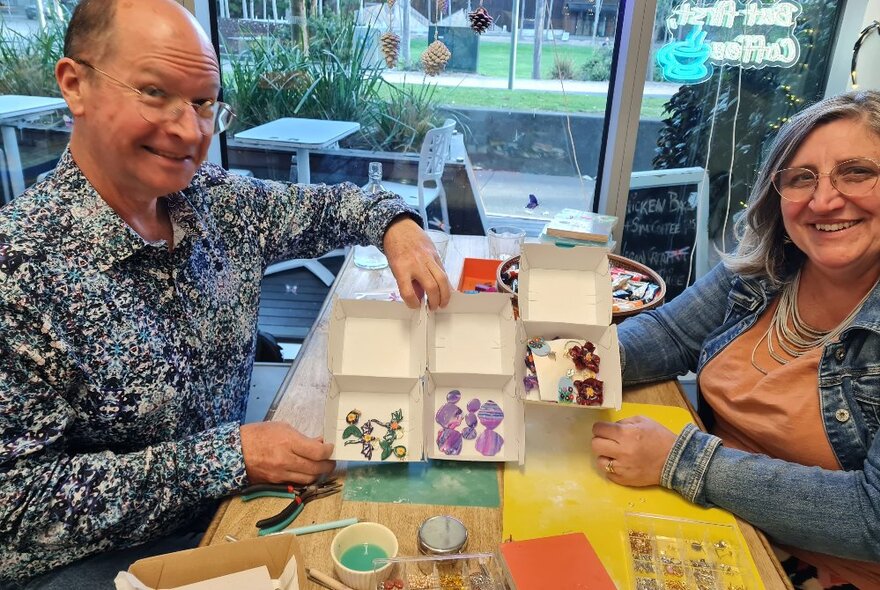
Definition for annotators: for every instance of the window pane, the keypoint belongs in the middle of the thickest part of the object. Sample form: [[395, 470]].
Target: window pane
[[723, 123], [522, 153], [34, 120]]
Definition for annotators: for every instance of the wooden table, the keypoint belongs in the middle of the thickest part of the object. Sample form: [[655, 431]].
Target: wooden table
[[301, 402]]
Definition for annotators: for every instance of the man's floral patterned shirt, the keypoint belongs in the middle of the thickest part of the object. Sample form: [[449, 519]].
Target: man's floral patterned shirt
[[125, 367]]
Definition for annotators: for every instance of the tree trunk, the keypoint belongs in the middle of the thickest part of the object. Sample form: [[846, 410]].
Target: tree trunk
[[539, 39], [299, 20], [406, 34], [596, 18]]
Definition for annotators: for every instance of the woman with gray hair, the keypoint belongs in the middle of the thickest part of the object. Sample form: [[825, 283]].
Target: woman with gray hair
[[784, 336]]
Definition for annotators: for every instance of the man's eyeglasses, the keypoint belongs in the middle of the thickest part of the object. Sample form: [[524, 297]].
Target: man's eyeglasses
[[155, 106], [853, 178]]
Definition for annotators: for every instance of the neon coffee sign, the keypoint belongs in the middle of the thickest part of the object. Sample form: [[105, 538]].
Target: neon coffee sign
[[752, 34]]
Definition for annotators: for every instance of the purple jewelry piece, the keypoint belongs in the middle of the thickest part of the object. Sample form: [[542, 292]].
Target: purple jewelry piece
[[469, 433], [470, 420], [473, 405], [448, 416], [449, 441], [490, 415], [530, 382], [489, 443], [453, 396]]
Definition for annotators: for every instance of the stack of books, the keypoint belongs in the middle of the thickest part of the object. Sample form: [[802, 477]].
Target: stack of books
[[573, 227]]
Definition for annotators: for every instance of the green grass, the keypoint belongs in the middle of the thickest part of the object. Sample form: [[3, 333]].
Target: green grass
[[533, 100], [494, 60], [494, 57]]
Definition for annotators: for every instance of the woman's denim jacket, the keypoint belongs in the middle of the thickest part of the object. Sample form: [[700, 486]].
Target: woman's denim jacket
[[832, 512]]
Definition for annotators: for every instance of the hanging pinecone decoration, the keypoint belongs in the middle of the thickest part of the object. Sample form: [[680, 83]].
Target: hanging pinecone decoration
[[390, 47], [390, 4], [481, 20], [435, 57]]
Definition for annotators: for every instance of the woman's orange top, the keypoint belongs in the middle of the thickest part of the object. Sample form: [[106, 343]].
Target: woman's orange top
[[777, 415]]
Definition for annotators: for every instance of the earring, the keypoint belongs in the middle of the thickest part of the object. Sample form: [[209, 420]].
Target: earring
[[584, 357]]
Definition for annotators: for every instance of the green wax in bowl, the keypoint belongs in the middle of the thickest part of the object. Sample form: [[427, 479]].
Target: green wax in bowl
[[360, 557]]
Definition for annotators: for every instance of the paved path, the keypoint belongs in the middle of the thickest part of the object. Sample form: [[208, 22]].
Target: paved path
[[652, 89]]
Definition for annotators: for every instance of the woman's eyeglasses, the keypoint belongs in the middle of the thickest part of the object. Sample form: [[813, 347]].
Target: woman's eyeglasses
[[155, 106], [853, 178]]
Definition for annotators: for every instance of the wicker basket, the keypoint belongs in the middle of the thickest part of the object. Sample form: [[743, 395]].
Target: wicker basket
[[615, 260]]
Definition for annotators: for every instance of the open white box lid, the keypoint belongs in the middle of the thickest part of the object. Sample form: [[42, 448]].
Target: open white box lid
[[376, 339], [566, 287], [473, 335]]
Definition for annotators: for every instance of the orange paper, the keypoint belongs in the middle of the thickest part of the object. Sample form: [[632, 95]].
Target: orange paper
[[561, 561]]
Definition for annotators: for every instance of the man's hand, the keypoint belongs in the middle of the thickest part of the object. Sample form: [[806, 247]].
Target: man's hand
[[274, 452], [637, 448], [416, 264]]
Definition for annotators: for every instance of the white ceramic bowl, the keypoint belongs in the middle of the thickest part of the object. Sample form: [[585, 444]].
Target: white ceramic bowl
[[358, 534]]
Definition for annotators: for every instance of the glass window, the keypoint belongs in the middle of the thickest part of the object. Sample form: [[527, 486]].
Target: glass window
[[34, 121], [735, 81], [529, 109]]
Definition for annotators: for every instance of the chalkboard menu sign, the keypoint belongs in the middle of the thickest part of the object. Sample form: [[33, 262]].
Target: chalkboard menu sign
[[659, 231]]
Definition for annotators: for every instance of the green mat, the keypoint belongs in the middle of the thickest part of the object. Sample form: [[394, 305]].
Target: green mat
[[455, 483]]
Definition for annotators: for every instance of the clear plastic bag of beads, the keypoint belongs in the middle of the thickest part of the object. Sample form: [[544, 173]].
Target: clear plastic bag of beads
[[463, 571]]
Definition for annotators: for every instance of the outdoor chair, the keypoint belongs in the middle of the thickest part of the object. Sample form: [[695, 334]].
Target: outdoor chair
[[429, 185]]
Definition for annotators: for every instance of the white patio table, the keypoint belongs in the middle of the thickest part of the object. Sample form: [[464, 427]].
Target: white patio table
[[301, 134]]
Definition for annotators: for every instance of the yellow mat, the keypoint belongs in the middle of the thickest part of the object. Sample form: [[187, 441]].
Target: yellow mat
[[560, 490]]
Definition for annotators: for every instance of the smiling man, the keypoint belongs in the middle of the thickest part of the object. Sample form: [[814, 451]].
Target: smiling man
[[129, 290]]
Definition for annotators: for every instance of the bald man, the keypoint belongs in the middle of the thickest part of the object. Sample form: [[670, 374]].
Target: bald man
[[129, 290]]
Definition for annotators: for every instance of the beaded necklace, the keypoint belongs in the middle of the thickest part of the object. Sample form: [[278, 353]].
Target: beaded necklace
[[795, 336]]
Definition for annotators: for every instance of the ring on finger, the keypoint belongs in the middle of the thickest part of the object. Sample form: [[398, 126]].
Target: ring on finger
[[609, 467]]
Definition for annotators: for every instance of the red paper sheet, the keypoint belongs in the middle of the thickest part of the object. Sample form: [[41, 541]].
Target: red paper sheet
[[561, 561]]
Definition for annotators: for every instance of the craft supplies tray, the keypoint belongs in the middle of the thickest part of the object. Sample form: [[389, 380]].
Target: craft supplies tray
[[477, 274], [465, 571], [673, 553]]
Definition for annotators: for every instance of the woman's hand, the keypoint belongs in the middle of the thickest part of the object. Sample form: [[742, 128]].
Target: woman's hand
[[635, 448], [416, 264]]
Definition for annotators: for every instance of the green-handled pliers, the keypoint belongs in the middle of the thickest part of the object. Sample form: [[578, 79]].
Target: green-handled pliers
[[300, 496]]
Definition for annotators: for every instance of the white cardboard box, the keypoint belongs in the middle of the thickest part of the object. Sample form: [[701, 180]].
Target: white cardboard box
[[565, 294], [472, 350], [387, 358], [376, 353], [265, 562]]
